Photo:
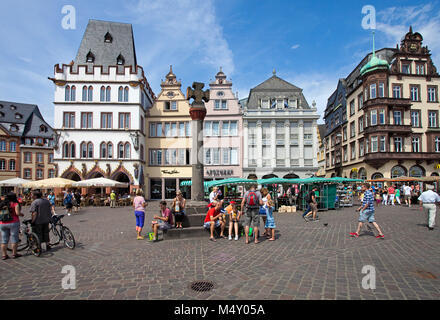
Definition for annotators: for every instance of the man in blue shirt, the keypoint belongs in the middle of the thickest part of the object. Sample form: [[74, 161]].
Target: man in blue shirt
[[367, 212]]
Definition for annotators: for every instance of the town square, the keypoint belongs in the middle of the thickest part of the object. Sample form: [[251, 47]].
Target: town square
[[195, 150]]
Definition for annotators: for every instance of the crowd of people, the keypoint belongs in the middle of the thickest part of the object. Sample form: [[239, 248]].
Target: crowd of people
[[396, 195]]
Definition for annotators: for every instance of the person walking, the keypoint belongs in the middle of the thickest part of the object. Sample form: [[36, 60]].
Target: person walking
[[68, 202], [385, 196], [10, 225], [407, 195], [139, 205], [270, 221], [391, 194], [366, 212], [252, 201], [428, 201], [41, 216], [263, 209], [397, 195], [178, 207], [313, 205], [77, 197], [113, 199], [51, 198]]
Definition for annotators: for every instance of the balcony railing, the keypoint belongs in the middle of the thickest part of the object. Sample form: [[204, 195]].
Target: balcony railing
[[397, 102]]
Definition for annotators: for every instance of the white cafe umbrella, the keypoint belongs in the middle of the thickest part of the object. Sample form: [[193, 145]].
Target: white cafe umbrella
[[14, 182], [100, 182]]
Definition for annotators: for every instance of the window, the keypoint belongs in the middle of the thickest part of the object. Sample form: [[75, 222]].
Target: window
[[72, 150], [353, 150], [381, 89], [352, 108], [39, 173], [432, 119], [344, 133], [374, 144], [102, 95], [27, 173], [360, 101], [373, 115], [120, 150], [83, 150], [141, 151], [124, 120], [39, 157], [90, 94], [110, 150], [50, 157], [215, 129], [181, 156], [437, 144], [414, 90], [69, 120], [188, 129], [142, 125], [415, 118], [415, 142], [397, 91], [372, 91], [167, 131], [382, 144], [120, 94], [120, 60], [2, 164], [67, 93], [420, 68], [2, 145], [51, 173], [382, 116], [108, 94], [361, 124], [397, 117], [90, 150], [12, 146], [86, 120], [174, 129], [65, 150], [84, 93], [126, 94], [159, 132], [224, 104], [406, 68], [432, 94], [127, 150], [265, 103], [28, 157], [90, 58], [181, 129], [361, 148], [216, 156], [106, 120], [398, 144], [108, 38], [152, 129], [352, 129]]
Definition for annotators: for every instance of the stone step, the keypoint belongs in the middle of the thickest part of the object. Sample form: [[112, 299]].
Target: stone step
[[186, 233], [193, 220]]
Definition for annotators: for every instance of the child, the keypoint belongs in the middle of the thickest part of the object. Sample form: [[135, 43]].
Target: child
[[270, 221], [234, 217], [378, 199]]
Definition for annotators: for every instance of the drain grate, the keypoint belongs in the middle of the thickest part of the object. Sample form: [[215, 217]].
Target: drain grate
[[202, 286], [425, 274]]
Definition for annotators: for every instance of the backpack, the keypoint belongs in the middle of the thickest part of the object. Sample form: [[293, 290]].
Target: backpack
[[5, 212], [68, 199], [252, 200]]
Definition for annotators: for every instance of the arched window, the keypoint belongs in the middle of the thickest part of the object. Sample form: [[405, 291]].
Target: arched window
[[353, 175], [65, 150], [127, 150], [102, 95], [126, 94], [376, 175], [83, 150], [110, 150], [84, 93], [416, 172], [362, 173], [108, 38], [107, 94], [72, 150], [120, 60], [73, 93], [120, 94], [90, 150], [90, 58], [120, 150], [398, 171], [103, 150], [90, 96], [67, 93]]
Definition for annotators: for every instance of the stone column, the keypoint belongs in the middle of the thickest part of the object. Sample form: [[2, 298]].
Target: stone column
[[245, 145], [273, 138], [259, 144], [301, 142], [287, 141], [197, 190]]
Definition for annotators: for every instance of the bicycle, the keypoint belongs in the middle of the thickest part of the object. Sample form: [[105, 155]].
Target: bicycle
[[28, 239], [61, 233]]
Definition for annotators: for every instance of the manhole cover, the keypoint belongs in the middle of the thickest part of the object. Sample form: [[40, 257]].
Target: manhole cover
[[425, 274], [202, 286]]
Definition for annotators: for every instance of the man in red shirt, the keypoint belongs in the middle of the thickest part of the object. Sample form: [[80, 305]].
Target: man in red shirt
[[391, 193], [213, 220]]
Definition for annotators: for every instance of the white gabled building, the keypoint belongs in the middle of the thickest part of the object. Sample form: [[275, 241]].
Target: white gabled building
[[101, 101]]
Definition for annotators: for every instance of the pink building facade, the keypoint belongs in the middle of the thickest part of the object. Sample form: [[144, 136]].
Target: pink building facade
[[223, 125]]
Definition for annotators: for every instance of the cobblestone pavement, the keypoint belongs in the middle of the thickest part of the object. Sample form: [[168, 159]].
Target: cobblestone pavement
[[308, 261]]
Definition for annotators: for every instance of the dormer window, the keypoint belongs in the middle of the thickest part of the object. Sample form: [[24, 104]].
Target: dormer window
[[13, 107], [43, 128], [90, 58], [14, 128], [108, 38], [1, 106], [18, 116], [406, 68], [120, 60], [2, 114]]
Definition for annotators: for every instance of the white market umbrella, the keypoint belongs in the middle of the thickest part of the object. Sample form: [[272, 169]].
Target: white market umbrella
[[49, 183], [14, 182], [100, 182]]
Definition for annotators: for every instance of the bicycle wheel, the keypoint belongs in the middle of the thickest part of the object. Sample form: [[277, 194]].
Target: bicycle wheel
[[34, 244], [69, 240], [55, 235], [22, 243]]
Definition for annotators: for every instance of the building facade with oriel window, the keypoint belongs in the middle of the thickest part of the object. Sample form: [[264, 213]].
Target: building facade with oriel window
[[222, 140], [100, 102], [168, 142], [279, 131], [394, 122]]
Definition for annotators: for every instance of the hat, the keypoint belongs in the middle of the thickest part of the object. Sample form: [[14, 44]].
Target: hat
[[210, 205]]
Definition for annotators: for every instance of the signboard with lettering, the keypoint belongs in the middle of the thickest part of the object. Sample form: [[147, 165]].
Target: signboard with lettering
[[219, 173]]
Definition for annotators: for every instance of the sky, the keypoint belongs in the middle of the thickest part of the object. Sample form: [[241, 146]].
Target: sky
[[309, 43]]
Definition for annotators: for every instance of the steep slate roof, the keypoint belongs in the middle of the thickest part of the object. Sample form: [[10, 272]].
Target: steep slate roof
[[105, 53], [274, 86], [322, 131], [30, 122]]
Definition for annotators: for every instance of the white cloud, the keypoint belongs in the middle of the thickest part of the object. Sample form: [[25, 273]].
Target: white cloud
[[295, 46], [177, 32], [395, 22]]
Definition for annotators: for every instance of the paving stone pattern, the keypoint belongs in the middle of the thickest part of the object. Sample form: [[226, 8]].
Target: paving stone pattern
[[307, 261]]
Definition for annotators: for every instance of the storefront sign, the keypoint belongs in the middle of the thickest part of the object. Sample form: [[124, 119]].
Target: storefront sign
[[217, 173]]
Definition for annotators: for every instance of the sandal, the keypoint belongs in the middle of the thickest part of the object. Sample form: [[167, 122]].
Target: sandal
[[5, 257], [212, 239], [271, 239]]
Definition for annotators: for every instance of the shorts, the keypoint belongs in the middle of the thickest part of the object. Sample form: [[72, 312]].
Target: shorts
[[207, 225], [313, 206], [366, 215], [10, 231], [252, 216], [179, 216], [140, 218], [164, 225], [69, 205], [42, 231]]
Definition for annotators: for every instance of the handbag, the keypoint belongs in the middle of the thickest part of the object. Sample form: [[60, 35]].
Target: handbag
[[5, 213]]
